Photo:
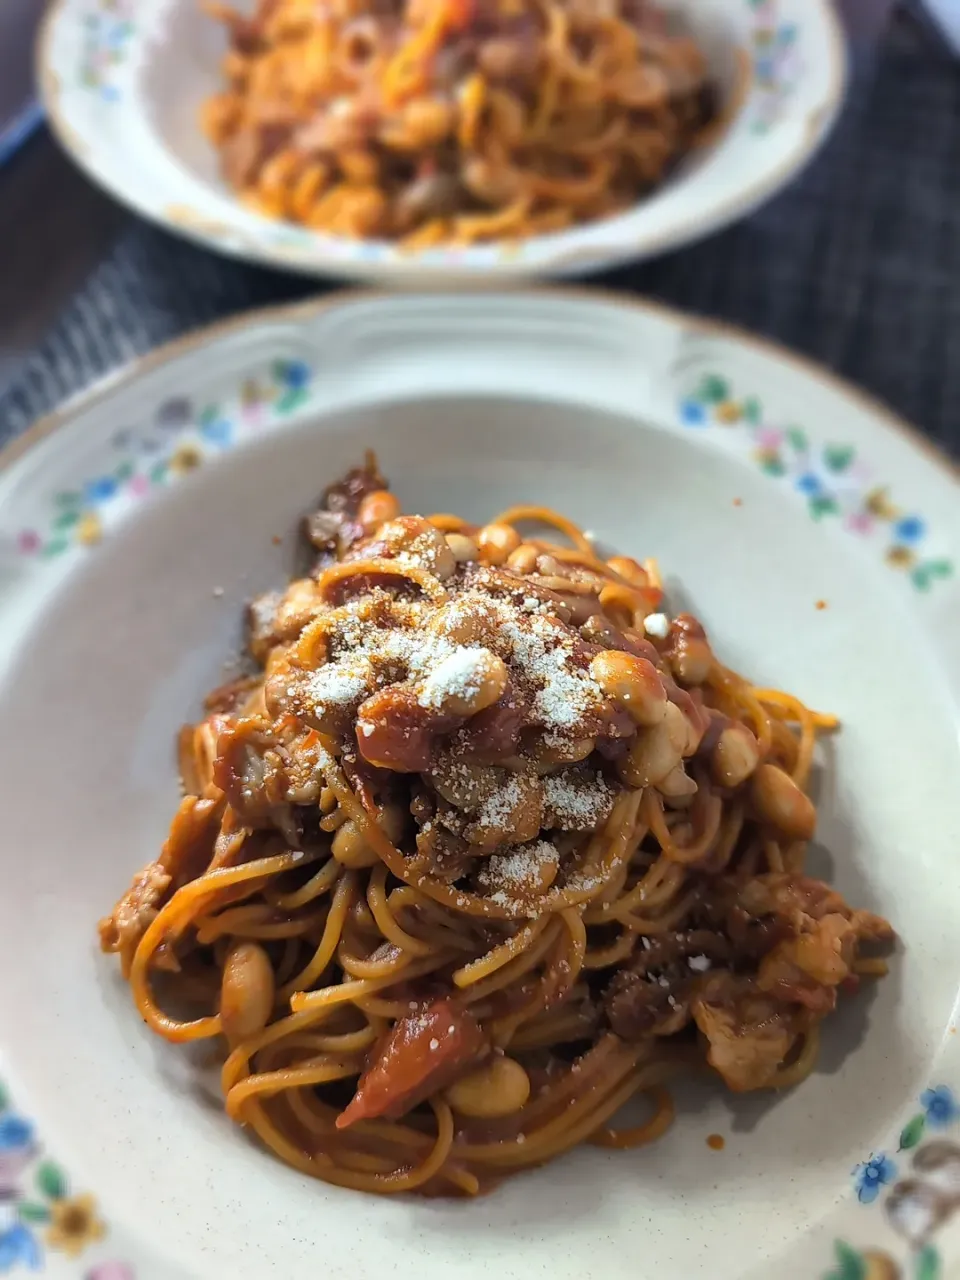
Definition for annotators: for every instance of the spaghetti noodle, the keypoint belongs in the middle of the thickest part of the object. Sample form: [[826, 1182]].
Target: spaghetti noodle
[[453, 121], [487, 846]]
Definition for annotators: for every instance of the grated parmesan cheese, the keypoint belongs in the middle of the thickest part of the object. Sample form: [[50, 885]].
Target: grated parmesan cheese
[[514, 879], [542, 649], [517, 868], [460, 675], [657, 624], [497, 809], [576, 800]]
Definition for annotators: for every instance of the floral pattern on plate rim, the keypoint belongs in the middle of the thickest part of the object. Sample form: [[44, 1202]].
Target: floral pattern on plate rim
[[920, 1193], [38, 1210], [180, 436], [773, 54], [833, 480], [108, 26], [37, 1207], [776, 63], [836, 483]]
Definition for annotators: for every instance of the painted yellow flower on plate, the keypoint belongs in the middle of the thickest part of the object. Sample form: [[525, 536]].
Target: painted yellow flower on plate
[[89, 529], [74, 1224], [185, 458]]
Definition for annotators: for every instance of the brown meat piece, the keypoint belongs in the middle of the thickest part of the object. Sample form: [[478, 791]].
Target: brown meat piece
[[752, 937], [597, 630], [494, 733], [185, 855], [634, 1004], [395, 731], [244, 154], [122, 930], [441, 854], [748, 1039], [801, 900], [659, 982], [275, 618], [807, 969], [334, 528], [422, 1054], [250, 773]]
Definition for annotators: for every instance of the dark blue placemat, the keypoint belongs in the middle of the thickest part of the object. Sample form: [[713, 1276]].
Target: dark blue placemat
[[857, 264]]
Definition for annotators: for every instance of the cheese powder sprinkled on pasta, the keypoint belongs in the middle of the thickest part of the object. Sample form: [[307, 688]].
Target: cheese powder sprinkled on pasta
[[490, 844]]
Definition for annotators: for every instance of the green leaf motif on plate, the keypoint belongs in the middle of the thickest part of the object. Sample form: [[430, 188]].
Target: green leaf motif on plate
[[124, 472], [51, 1180], [939, 568], [928, 1264], [850, 1263], [752, 411], [713, 389], [823, 505], [208, 414], [54, 548], [65, 519], [912, 1132], [837, 457], [4, 1099], [797, 439], [29, 1211], [158, 473], [291, 399], [921, 577], [68, 498]]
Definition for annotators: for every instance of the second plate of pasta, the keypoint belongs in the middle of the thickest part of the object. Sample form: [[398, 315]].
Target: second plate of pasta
[[422, 141]]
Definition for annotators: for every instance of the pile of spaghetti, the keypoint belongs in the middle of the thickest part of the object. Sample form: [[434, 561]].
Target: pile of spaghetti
[[453, 121], [487, 845]]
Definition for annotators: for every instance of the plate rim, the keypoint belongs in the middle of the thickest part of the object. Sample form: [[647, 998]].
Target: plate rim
[[416, 270], [126, 373], [288, 315]]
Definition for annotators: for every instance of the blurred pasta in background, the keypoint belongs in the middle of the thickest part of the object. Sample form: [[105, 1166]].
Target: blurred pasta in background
[[453, 121]]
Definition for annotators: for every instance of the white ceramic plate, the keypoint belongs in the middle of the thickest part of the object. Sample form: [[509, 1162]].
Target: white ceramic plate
[[132, 528], [123, 81]]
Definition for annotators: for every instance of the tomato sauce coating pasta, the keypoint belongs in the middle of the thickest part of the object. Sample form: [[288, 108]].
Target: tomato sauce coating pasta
[[453, 121], [486, 845]]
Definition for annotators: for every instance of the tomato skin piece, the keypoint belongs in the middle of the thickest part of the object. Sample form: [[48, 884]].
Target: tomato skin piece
[[421, 1054]]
